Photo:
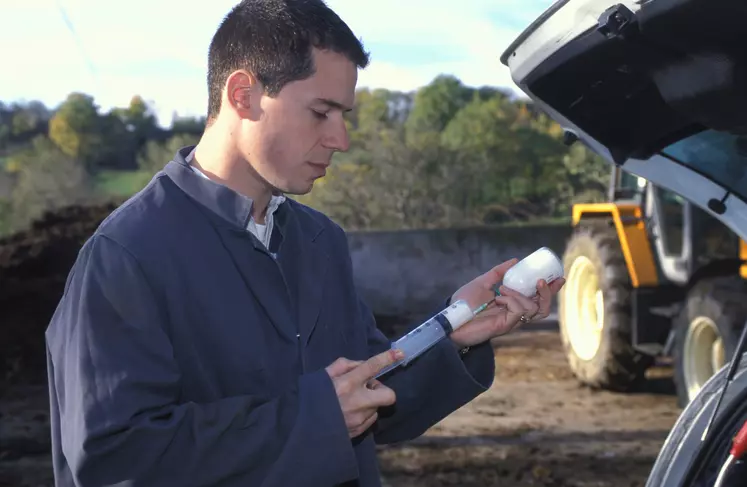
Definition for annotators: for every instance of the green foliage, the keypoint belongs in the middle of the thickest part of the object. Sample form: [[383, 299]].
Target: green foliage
[[445, 155], [75, 128], [120, 184], [436, 104], [21, 122], [459, 156], [188, 125], [6, 216], [97, 140], [45, 179], [156, 154], [6, 209]]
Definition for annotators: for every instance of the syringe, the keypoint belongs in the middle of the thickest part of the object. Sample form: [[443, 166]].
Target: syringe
[[433, 330], [523, 277]]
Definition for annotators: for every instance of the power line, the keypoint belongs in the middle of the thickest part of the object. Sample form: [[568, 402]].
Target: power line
[[78, 41]]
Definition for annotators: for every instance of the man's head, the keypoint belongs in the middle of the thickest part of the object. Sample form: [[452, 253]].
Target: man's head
[[281, 73]]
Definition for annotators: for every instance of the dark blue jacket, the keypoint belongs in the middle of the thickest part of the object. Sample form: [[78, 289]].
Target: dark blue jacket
[[183, 354]]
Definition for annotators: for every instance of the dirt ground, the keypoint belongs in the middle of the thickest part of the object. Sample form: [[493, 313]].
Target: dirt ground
[[537, 427], [534, 427]]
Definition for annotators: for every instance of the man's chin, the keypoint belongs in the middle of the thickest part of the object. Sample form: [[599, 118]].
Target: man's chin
[[300, 190]]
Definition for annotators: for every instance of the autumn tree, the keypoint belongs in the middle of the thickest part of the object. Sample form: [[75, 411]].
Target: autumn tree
[[76, 129], [139, 121], [443, 155]]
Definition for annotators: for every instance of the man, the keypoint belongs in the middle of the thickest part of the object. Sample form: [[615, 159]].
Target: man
[[210, 333]]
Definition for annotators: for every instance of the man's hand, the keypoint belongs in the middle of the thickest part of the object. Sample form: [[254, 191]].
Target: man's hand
[[506, 311], [360, 395]]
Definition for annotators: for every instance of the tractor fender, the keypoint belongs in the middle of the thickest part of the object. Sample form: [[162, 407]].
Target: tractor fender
[[634, 239]]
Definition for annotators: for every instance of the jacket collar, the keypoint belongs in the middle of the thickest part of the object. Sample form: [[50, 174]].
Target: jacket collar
[[230, 206]]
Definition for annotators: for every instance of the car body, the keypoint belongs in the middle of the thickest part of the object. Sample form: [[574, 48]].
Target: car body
[[545, 62]]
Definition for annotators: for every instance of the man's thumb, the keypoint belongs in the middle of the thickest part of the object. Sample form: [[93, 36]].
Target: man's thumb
[[341, 366], [495, 275]]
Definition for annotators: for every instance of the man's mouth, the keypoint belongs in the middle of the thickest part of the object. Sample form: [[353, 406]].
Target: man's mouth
[[321, 166]]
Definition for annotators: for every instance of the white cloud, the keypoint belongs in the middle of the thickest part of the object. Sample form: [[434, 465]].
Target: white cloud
[[158, 48]]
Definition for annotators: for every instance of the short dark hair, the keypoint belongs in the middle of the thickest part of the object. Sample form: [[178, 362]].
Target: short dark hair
[[273, 40]]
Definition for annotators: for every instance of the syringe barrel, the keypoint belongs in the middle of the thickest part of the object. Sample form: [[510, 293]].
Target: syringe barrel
[[423, 337], [433, 330]]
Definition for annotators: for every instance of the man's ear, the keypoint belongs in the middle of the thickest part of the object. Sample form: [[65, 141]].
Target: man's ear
[[242, 92]]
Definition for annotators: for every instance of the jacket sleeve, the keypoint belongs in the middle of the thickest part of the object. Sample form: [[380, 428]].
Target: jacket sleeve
[[431, 387], [118, 388]]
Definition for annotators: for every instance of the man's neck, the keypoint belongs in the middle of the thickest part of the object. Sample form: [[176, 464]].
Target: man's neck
[[218, 161]]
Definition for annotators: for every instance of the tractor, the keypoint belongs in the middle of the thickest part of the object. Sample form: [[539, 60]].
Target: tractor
[[650, 275]]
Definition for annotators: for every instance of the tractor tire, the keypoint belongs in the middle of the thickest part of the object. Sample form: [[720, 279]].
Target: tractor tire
[[594, 311], [707, 332]]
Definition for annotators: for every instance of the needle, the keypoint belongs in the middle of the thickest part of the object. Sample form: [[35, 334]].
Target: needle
[[482, 307]]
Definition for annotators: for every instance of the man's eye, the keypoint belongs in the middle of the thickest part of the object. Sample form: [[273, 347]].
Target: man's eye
[[319, 114]]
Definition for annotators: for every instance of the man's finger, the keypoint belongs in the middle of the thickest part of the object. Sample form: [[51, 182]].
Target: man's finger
[[342, 366], [530, 306], [545, 298], [380, 396], [514, 311], [368, 369], [365, 425], [556, 285]]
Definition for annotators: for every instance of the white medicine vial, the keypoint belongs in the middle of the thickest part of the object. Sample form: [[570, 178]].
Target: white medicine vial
[[540, 264]]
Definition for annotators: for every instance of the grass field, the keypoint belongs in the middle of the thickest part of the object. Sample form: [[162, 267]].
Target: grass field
[[121, 183]]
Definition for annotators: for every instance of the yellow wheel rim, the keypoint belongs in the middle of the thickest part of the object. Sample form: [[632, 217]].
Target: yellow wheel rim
[[703, 354], [583, 308]]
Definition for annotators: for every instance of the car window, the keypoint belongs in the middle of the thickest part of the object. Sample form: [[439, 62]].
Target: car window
[[717, 155]]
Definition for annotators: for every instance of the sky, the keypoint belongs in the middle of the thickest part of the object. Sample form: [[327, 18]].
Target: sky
[[158, 48]]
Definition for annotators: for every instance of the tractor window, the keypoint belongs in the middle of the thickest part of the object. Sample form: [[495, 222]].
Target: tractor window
[[630, 186], [712, 240], [672, 220], [717, 155]]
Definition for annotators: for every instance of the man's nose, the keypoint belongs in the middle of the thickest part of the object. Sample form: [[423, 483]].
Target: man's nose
[[337, 138]]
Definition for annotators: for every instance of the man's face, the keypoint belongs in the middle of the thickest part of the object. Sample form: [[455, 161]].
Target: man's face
[[290, 139]]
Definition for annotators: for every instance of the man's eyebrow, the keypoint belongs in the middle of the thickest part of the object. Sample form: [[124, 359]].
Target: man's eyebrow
[[334, 104]]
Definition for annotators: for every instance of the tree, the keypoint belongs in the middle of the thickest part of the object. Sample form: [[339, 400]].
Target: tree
[[484, 153], [446, 154], [436, 104], [4, 136], [156, 154], [46, 179], [139, 121], [76, 129], [188, 125], [586, 178], [23, 121], [6, 188], [391, 188]]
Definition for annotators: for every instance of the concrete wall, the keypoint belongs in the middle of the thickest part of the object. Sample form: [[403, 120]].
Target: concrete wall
[[409, 274]]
